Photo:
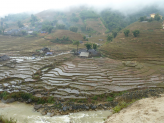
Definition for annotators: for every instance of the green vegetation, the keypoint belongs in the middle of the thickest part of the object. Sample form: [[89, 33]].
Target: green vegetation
[[33, 19], [64, 40], [47, 28], [88, 14], [109, 38], [74, 19], [122, 105], [73, 29], [23, 32], [88, 46], [136, 33], [77, 44], [114, 33], [95, 46], [126, 32], [60, 26], [20, 24]]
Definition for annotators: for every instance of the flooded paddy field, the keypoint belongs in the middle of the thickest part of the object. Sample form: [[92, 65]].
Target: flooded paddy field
[[75, 78]]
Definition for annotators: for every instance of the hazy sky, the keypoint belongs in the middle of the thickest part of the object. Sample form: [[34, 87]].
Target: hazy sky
[[17, 6]]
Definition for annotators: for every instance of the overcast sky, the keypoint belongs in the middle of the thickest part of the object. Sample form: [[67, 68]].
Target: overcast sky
[[17, 6]]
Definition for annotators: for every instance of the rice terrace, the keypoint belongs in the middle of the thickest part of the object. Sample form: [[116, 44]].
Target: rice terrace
[[81, 66]]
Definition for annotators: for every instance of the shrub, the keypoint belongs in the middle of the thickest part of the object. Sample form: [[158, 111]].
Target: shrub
[[136, 33], [126, 32]]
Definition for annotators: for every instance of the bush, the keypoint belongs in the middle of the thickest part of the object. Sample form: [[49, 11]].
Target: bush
[[136, 33], [109, 38], [126, 32]]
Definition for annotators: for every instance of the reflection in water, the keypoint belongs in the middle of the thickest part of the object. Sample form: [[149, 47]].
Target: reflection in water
[[24, 113]]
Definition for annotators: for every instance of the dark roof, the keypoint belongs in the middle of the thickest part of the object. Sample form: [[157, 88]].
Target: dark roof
[[45, 49]]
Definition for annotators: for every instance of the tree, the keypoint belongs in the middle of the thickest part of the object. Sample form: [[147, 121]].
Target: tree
[[88, 46], [141, 19], [126, 32], [60, 26], [23, 32], [136, 33], [35, 33], [3, 29], [114, 33], [94, 46], [109, 38], [47, 28], [157, 17], [73, 29], [20, 24], [77, 44], [84, 37]]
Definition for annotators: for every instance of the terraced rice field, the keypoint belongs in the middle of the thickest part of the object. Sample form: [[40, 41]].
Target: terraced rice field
[[77, 78]]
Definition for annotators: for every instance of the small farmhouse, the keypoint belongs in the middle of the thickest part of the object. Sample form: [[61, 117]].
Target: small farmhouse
[[84, 54]]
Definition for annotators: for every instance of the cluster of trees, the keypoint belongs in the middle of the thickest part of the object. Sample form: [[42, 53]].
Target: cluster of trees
[[87, 45], [60, 26], [90, 46], [74, 18], [15, 17], [33, 19], [88, 14], [110, 37], [74, 29], [64, 38], [135, 32], [20, 24], [144, 18]]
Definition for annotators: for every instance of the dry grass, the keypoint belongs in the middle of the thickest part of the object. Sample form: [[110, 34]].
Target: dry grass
[[148, 45], [66, 33]]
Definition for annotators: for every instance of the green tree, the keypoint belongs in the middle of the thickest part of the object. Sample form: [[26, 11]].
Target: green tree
[[126, 32], [114, 33], [84, 37], [88, 46], [157, 17], [73, 29], [109, 38], [94, 46], [23, 32], [20, 24], [141, 19], [136, 33], [60, 26], [47, 28], [77, 44], [3, 29], [35, 33]]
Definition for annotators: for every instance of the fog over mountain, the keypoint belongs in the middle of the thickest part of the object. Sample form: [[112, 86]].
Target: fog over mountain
[[31, 6]]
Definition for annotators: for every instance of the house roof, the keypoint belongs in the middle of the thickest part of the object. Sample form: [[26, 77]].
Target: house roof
[[84, 54], [152, 14]]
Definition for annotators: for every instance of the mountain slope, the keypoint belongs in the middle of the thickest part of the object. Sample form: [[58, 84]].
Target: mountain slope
[[148, 45]]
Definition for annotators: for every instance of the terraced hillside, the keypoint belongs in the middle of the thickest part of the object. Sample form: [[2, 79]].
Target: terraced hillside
[[149, 45], [77, 78]]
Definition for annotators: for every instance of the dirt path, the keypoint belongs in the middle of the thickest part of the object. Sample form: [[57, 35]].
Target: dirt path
[[149, 110]]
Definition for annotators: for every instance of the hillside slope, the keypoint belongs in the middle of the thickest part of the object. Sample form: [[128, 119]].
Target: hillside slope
[[149, 45]]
